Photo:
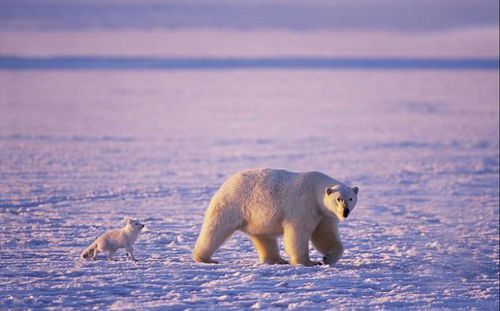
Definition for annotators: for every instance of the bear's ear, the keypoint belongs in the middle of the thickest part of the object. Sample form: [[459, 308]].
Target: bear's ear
[[355, 189], [329, 190]]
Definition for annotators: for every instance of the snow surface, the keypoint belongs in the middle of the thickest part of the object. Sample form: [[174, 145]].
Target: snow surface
[[81, 150]]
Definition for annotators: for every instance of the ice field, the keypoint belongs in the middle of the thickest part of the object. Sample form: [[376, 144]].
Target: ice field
[[143, 109], [81, 150]]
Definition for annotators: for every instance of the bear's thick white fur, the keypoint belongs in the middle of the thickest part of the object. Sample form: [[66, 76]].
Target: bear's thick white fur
[[267, 203]]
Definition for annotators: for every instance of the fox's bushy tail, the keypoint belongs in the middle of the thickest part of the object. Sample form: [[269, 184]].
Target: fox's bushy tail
[[88, 253]]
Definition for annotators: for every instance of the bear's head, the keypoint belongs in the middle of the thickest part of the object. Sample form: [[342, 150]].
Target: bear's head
[[341, 200]]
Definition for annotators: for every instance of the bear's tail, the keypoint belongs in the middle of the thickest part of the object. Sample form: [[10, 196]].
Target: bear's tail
[[88, 253]]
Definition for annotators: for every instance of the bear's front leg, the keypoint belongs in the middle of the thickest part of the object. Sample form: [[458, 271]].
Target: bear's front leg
[[334, 254], [296, 240], [267, 248], [326, 240]]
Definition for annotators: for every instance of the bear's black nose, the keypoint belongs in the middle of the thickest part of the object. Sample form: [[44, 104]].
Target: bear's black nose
[[346, 213]]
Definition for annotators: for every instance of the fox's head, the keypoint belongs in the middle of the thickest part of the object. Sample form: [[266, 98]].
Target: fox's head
[[134, 224]]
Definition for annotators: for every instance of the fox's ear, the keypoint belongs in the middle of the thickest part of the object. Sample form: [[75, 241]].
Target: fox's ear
[[355, 189], [126, 219]]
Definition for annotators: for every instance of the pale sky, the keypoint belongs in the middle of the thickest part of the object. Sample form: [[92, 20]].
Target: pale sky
[[393, 15]]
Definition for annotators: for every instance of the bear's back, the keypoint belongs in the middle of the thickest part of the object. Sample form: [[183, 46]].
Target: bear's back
[[269, 185]]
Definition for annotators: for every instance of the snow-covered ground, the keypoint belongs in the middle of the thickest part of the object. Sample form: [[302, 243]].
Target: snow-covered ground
[[81, 150]]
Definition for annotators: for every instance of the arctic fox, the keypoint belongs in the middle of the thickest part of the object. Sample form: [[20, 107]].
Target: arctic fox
[[111, 241]]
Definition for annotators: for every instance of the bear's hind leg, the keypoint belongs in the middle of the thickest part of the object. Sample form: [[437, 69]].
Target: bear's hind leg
[[213, 234], [267, 248]]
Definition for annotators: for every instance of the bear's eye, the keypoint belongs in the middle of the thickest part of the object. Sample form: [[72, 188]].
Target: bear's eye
[[350, 199]]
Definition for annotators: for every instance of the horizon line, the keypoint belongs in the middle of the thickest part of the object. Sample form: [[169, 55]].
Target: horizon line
[[10, 62]]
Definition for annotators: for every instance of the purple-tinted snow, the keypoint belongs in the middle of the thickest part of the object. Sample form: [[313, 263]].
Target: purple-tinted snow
[[78, 151]]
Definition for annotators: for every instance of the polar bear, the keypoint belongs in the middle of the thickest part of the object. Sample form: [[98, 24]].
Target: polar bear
[[267, 203]]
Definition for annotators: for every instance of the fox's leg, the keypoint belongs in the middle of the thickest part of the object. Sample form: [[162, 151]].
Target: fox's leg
[[94, 253], [130, 252], [110, 254]]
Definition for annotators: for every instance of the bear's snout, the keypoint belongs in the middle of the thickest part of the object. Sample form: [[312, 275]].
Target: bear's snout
[[346, 212]]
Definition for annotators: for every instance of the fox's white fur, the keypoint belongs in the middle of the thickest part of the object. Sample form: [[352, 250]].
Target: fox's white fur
[[266, 203], [113, 240]]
